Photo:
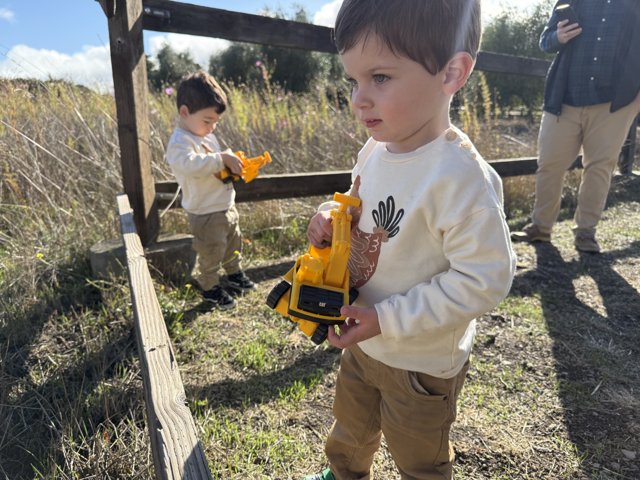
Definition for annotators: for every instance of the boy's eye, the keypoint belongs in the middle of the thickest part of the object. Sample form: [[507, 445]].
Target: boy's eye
[[380, 78]]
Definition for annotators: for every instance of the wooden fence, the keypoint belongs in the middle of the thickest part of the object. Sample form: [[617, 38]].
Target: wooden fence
[[128, 19], [176, 450], [163, 16]]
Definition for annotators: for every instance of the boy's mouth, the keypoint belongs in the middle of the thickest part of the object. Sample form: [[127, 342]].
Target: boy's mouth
[[372, 123]]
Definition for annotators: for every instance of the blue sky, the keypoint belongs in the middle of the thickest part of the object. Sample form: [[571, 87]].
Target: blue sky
[[34, 42]]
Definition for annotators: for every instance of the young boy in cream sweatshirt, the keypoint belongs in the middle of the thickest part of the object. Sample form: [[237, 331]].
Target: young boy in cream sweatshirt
[[196, 159], [430, 246]]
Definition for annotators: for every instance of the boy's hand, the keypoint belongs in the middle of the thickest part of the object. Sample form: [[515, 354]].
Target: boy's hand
[[320, 229], [361, 324], [232, 161]]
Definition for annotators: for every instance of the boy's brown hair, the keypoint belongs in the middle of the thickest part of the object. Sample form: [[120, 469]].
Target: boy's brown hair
[[200, 90], [429, 32]]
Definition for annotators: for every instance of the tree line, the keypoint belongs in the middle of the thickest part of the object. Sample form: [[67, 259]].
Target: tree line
[[299, 71]]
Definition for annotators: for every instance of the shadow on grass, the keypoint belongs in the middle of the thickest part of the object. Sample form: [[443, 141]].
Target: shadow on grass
[[596, 353], [257, 274], [38, 407], [264, 388]]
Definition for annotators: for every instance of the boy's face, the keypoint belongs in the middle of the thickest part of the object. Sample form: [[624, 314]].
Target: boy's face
[[200, 123], [395, 98]]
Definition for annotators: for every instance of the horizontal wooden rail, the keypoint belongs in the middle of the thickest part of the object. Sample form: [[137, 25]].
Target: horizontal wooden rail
[[177, 452], [271, 187], [177, 17], [502, 63]]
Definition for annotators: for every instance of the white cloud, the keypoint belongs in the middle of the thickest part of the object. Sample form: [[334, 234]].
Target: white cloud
[[90, 67], [327, 14], [6, 14], [200, 48]]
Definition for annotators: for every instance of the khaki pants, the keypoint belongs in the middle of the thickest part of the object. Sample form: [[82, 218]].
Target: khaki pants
[[601, 135], [217, 243], [413, 410]]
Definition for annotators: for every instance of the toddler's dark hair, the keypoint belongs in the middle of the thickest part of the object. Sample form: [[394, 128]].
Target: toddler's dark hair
[[200, 90], [429, 32]]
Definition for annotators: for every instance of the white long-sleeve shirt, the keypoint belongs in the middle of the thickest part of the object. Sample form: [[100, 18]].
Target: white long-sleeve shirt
[[431, 250], [194, 161]]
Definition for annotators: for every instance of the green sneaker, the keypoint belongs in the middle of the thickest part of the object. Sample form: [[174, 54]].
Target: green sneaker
[[324, 475]]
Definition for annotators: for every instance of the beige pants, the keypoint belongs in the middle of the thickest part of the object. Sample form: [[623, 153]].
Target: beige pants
[[217, 243], [415, 412], [601, 135]]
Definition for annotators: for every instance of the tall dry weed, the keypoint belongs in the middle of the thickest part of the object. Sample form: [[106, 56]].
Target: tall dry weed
[[60, 161]]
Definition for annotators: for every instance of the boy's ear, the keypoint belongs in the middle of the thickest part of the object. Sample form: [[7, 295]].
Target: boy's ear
[[183, 111], [457, 72]]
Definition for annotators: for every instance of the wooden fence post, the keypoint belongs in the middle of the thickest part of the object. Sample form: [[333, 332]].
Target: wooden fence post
[[128, 63]]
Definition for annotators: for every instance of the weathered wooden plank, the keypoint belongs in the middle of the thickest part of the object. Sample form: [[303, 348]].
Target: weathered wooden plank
[[270, 187], [177, 452], [108, 7], [129, 69], [501, 63], [177, 17]]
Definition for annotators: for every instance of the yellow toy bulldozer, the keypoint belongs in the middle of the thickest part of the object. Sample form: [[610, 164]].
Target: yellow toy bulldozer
[[315, 288], [250, 168]]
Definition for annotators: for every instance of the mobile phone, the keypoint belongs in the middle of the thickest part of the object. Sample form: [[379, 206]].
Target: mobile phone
[[566, 12]]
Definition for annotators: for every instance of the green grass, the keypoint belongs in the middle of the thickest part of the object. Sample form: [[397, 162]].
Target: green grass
[[71, 397]]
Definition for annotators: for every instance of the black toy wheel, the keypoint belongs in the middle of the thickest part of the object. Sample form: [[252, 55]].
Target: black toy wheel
[[277, 292], [320, 333]]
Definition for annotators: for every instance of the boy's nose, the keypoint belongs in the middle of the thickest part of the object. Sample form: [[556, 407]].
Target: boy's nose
[[360, 99]]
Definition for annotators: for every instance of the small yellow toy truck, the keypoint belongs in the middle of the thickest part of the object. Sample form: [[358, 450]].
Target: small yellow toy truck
[[250, 167], [315, 288]]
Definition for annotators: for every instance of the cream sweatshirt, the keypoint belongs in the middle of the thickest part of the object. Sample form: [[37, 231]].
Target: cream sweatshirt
[[431, 250], [194, 161]]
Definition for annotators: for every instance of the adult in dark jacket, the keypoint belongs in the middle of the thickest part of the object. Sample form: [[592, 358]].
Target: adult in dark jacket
[[591, 98]]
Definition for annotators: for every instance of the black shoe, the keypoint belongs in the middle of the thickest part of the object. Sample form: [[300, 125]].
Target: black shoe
[[239, 282], [219, 298]]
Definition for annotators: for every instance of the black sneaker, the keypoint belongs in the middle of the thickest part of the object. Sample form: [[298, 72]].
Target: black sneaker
[[239, 282], [219, 298]]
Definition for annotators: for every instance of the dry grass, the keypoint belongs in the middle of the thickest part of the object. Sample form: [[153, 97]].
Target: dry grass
[[557, 358]]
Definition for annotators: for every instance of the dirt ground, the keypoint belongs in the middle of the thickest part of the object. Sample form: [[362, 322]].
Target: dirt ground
[[588, 356], [554, 388]]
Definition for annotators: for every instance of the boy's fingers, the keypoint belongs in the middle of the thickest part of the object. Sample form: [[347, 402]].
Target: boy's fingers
[[350, 311]]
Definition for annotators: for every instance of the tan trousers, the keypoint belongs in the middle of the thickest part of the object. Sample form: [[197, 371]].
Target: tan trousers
[[217, 242], [414, 411], [601, 135]]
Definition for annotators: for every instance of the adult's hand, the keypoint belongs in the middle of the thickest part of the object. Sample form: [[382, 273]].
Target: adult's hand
[[567, 32]]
